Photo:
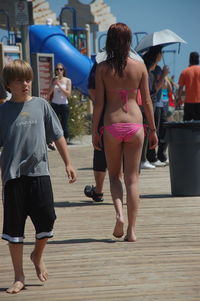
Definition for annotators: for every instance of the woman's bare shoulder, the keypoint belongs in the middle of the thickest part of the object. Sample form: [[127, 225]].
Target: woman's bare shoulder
[[102, 65], [135, 65], [102, 68], [136, 62], [66, 79]]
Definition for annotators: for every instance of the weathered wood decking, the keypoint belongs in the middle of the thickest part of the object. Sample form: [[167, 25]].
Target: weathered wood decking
[[86, 263]]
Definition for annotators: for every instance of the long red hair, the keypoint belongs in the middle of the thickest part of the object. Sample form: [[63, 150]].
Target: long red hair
[[118, 44]]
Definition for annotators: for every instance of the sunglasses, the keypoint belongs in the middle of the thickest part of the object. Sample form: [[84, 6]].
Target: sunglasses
[[61, 69]]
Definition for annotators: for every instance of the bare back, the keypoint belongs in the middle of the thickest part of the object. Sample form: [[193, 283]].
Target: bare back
[[121, 92]]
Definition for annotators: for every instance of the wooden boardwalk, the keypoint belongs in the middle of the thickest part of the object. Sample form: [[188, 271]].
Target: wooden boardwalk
[[86, 263]]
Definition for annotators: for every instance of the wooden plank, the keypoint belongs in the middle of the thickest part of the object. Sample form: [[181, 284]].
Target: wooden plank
[[86, 263]]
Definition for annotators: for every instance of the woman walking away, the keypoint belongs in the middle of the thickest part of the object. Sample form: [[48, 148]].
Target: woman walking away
[[119, 78]]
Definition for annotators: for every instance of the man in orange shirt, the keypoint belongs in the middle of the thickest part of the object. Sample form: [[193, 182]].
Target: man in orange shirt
[[190, 79]]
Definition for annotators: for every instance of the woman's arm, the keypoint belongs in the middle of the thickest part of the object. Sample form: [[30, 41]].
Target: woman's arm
[[98, 105], [160, 78], [91, 94], [51, 89], [67, 92], [169, 85]]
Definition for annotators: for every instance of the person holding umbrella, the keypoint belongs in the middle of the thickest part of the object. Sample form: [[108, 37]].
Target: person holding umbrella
[[158, 158], [157, 76], [151, 58], [147, 46]]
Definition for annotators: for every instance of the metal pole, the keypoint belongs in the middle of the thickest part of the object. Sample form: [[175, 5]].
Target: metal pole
[[99, 41], [74, 19], [25, 43], [87, 29], [137, 34]]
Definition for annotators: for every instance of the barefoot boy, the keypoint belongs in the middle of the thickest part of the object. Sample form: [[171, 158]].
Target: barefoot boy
[[26, 125]]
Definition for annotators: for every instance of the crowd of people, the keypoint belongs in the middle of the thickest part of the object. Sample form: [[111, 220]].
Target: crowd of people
[[131, 100]]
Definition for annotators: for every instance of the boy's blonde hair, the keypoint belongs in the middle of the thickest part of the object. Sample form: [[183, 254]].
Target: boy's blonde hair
[[17, 69]]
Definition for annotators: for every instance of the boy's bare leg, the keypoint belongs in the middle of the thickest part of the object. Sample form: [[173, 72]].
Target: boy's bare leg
[[36, 257], [16, 252]]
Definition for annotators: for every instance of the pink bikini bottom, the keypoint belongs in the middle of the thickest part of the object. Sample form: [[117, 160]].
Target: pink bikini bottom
[[123, 131]]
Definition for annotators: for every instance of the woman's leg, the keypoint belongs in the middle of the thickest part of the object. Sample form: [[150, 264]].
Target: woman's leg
[[151, 153], [132, 155], [64, 116], [162, 145], [56, 109], [16, 252], [113, 151]]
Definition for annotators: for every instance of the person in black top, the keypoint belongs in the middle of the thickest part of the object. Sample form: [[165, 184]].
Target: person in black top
[[99, 159]]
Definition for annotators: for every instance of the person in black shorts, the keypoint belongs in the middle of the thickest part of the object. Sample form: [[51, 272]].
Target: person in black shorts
[[99, 159], [26, 124]]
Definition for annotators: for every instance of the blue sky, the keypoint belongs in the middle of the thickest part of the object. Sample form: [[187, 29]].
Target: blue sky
[[180, 16]]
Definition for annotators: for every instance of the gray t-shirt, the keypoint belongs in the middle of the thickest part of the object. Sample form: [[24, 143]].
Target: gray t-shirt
[[25, 130]]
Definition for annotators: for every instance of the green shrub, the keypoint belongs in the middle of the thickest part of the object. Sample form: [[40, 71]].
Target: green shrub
[[79, 120]]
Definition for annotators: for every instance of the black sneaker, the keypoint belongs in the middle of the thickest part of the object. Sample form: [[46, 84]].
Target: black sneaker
[[90, 193], [51, 147]]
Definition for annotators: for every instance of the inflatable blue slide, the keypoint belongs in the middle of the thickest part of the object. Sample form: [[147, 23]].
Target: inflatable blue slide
[[51, 39]]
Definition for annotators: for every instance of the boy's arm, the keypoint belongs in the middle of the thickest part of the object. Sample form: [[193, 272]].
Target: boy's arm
[[64, 153], [91, 94]]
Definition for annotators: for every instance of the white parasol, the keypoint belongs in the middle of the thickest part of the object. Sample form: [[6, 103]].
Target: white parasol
[[164, 38]]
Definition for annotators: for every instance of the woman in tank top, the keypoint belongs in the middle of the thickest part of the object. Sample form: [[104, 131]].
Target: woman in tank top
[[59, 92]]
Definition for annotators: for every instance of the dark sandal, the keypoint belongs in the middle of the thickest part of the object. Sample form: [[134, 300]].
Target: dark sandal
[[89, 191], [97, 197]]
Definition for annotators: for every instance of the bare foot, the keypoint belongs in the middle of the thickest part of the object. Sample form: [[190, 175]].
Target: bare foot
[[130, 236], [16, 287], [131, 239], [40, 268], [119, 228]]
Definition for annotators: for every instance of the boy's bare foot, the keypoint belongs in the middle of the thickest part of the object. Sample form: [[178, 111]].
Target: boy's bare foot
[[40, 268], [119, 228], [16, 287]]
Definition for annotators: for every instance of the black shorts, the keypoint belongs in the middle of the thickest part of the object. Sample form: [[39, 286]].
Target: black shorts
[[99, 161], [28, 196]]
